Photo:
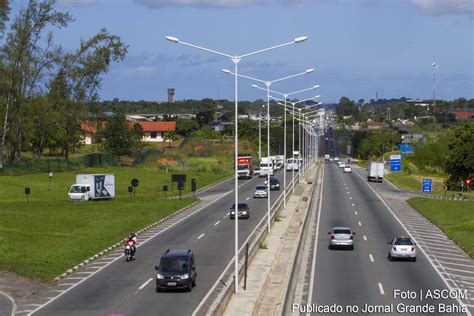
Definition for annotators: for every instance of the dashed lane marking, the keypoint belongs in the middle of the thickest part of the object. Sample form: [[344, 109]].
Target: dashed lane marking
[[371, 258], [143, 285], [381, 289], [355, 212], [217, 223], [200, 236], [360, 224], [365, 238]]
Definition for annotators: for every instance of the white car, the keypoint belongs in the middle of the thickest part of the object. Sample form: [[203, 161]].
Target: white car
[[331, 159], [347, 169], [342, 165], [336, 159], [402, 248]]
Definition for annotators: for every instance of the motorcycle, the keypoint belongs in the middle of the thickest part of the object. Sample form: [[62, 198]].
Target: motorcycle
[[129, 251]]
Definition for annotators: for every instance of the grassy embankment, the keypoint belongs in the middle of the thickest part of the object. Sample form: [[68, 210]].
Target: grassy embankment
[[48, 235], [455, 218]]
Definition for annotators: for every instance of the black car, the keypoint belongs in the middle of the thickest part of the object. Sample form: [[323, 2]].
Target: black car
[[274, 184], [177, 270], [243, 211]]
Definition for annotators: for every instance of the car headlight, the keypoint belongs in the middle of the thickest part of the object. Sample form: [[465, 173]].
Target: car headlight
[[159, 276], [244, 212], [185, 276]]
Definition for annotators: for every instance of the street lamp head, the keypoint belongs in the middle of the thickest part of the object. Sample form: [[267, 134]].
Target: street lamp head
[[309, 70], [255, 86], [172, 39], [316, 86], [227, 71], [300, 39]]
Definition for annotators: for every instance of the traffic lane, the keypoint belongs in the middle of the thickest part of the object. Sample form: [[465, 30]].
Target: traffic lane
[[342, 276], [116, 283], [379, 228]]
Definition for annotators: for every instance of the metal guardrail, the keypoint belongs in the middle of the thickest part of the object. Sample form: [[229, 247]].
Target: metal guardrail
[[217, 297]]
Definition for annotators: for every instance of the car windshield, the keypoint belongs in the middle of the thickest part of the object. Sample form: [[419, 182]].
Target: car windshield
[[403, 242], [173, 265], [242, 167], [241, 206], [273, 181], [260, 187], [263, 165], [341, 231], [75, 189]]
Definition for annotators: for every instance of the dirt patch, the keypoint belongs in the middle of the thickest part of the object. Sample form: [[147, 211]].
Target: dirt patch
[[167, 161], [18, 287]]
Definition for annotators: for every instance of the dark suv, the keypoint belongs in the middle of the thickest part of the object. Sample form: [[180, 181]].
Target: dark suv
[[177, 270], [243, 211]]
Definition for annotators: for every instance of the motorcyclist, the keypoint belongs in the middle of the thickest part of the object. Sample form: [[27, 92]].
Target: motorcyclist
[[132, 242]]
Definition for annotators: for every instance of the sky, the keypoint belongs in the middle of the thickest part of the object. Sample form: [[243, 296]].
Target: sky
[[359, 48]]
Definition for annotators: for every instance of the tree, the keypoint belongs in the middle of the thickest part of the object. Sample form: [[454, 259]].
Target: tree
[[118, 138], [186, 127], [204, 118], [171, 137], [460, 160]]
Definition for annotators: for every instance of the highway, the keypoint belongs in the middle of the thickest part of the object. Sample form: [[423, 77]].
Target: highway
[[129, 288], [364, 277]]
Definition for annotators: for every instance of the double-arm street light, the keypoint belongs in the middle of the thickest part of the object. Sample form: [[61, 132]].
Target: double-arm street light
[[268, 83], [293, 104], [285, 97], [236, 59]]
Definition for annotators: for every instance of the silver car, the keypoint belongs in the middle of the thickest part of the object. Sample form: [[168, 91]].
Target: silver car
[[341, 237], [402, 248], [261, 191]]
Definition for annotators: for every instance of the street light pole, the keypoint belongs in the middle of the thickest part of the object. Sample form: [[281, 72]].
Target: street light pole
[[260, 135], [435, 66], [236, 59], [268, 84]]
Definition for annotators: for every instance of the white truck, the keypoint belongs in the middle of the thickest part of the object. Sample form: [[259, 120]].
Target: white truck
[[292, 164], [92, 187], [266, 167], [375, 171], [326, 157]]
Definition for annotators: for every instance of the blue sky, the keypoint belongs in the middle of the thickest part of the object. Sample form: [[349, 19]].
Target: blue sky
[[357, 47]]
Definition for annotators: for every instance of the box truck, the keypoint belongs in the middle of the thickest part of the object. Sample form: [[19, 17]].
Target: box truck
[[92, 187], [375, 171], [266, 166], [244, 167]]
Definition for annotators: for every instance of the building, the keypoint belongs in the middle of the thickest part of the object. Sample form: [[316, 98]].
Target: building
[[154, 130], [171, 95], [88, 133], [463, 114]]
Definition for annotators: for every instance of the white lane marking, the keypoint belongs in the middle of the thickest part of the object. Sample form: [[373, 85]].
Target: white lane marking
[[409, 234], [68, 284], [355, 212], [453, 258], [217, 223], [348, 192], [429, 246], [144, 284], [200, 236], [456, 264], [75, 278], [12, 301], [57, 291], [119, 257], [371, 258], [83, 272], [350, 197], [434, 240], [313, 264], [248, 198], [360, 224], [353, 204], [431, 251], [225, 216], [381, 289], [459, 270], [365, 238], [24, 311], [32, 304]]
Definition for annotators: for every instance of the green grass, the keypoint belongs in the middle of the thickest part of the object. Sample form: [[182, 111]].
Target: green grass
[[413, 183], [48, 235], [455, 218]]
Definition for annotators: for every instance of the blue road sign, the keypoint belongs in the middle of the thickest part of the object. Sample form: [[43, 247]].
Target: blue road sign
[[406, 149], [427, 185], [395, 163]]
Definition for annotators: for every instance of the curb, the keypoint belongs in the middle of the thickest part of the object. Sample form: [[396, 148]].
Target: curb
[[109, 249]]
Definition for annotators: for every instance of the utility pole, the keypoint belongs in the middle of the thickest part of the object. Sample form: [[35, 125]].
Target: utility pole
[[435, 66]]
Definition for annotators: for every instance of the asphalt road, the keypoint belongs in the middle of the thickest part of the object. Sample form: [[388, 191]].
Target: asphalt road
[[129, 288], [364, 276]]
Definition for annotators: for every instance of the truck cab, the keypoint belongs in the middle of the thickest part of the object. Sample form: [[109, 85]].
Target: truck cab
[[79, 192]]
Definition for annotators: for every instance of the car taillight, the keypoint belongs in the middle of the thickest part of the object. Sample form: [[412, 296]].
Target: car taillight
[[332, 237], [394, 248], [351, 238], [412, 249]]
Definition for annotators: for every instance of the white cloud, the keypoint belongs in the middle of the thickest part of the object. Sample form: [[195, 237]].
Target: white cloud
[[445, 7]]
